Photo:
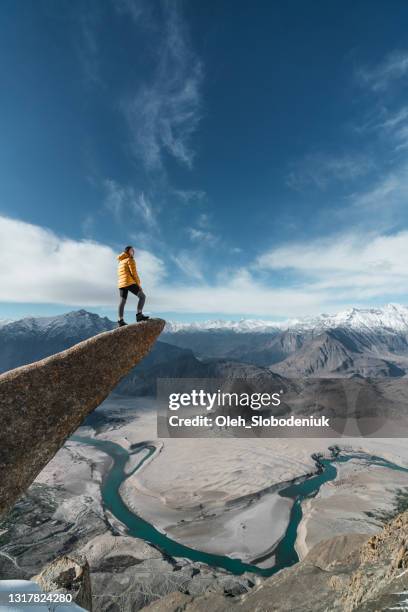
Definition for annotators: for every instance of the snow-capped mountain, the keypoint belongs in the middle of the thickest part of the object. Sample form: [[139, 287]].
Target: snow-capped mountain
[[34, 338], [242, 326], [364, 341], [391, 316], [77, 322]]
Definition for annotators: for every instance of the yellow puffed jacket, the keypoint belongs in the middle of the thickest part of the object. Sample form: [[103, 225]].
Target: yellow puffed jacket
[[127, 273]]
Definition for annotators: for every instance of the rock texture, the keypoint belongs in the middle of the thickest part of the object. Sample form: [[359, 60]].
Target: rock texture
[[383, 568], [43, 403], [68, 574]]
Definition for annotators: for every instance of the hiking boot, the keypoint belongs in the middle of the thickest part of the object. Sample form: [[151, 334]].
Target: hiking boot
[[141, 317], [121, 323]]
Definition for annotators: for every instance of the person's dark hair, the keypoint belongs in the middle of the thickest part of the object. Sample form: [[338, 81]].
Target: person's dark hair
[[127, 249]]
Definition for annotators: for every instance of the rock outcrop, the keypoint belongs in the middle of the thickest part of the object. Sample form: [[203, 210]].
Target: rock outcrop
[[68, 574], [43, 403], [383, 569]]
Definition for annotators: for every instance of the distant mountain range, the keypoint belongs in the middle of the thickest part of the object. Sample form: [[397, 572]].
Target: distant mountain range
[[365, 342], [290, 359], [391, 316], [357, 342]]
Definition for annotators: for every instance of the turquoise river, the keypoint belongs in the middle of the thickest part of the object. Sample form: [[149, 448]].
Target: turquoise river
[[285, 552]]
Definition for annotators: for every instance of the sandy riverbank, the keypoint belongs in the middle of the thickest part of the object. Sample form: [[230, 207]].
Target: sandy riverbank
[[355, 500]]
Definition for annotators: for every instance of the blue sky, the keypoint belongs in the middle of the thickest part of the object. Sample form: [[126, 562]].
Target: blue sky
[[255, 154]]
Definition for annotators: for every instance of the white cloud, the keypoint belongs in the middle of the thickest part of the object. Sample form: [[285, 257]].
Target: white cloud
[[350, 266], [239, 296], [391, 69], [165, 111], [41, 267]]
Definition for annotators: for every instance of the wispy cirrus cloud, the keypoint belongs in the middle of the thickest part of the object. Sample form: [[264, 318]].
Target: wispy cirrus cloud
[[387, 117], [393, 121], [374, 185], [135, 8], [190, 266], [124, 201], [202, 235], [164, 112], [162, 104], [189, 195], [86, 42], [321, 170], [391, 125], [379, 77], [386, 195]]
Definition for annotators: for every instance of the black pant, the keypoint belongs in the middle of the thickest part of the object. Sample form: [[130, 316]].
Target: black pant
[[123, 292]]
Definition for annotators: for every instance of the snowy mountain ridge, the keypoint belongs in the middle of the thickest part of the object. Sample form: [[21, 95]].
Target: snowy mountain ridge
[[72, 322], [393, 317]]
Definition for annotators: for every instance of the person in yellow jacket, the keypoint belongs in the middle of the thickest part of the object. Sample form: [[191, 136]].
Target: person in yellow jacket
[[128, 280]]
